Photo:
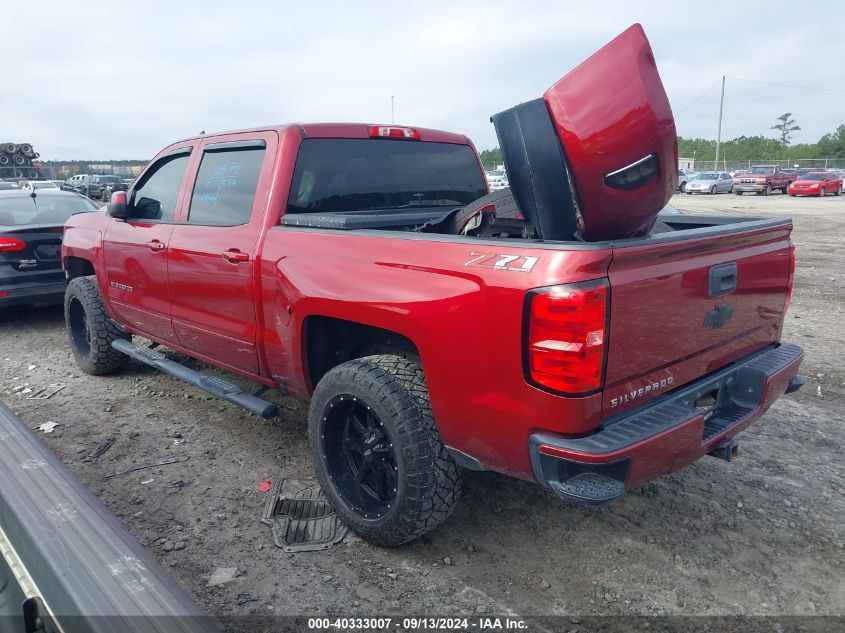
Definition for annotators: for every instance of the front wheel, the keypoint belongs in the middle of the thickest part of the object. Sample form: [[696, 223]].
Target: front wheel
[[378, 454], [90, 330], [713, 190]]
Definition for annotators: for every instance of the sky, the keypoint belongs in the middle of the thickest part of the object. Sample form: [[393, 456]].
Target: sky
[[112, 80]]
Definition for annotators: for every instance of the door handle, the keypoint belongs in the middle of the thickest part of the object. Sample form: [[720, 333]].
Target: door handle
[[155, 246], [722, 279], [235, 256]]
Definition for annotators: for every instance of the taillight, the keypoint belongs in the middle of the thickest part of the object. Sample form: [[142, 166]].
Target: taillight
[[391, 131], [566, 333], [11, 244], [791, 277]]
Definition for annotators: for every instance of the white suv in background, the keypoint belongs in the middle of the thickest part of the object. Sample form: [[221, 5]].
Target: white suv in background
[[497, 179]]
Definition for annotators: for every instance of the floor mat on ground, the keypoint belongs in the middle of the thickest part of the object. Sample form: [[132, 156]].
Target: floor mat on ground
[[300, 517]]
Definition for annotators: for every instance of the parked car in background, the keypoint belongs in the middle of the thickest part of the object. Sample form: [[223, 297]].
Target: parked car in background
[[840, 173], [100, 187], [791, 173], [762, 180], [683, 179], [96, 186], [32, 185], [739, 172], [711, 182], [819, 183], [74, 183], [803, 171], [497, 179], [31, 228]]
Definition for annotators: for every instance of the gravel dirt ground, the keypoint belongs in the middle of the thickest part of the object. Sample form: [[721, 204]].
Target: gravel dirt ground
[[761, 536]]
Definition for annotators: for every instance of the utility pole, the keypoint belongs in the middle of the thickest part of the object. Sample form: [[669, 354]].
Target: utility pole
[[719, 131], [392, 114]]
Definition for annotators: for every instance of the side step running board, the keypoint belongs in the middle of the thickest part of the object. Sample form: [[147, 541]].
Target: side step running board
[[213, 385]]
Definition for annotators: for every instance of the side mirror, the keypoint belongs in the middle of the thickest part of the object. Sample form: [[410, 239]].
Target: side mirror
[[117, 206]]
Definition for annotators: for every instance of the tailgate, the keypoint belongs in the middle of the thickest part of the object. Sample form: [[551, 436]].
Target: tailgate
[[682, 308]]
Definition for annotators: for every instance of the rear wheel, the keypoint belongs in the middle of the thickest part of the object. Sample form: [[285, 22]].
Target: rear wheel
[[377, 451], [90, 330]]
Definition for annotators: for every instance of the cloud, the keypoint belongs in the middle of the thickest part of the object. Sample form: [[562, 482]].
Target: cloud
[[121, 80]]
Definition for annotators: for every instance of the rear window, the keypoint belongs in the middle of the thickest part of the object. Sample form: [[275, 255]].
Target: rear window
[[337, 175], [23, 210]]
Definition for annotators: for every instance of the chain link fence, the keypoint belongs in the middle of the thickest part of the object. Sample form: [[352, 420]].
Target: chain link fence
[[733, 165]]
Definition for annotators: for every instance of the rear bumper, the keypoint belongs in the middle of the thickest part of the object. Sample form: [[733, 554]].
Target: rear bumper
[[20, 294], [666, 435]]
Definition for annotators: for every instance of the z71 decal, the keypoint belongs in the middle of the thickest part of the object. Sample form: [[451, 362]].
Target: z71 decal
[[516, 263]]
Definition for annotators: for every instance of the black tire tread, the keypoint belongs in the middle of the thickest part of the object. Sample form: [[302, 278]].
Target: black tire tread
[[432, 478], [103, 358], [502, 199]]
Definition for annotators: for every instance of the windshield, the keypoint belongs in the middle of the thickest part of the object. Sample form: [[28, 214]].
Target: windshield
[[23, 210], [336, 175], [761, 170], [815, 176], [707, 177]]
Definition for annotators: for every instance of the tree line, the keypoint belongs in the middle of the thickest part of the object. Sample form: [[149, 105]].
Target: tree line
[[831, 145]]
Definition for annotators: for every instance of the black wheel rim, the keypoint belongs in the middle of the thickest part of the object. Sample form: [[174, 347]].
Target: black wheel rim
[[359, 456], [78, 325]]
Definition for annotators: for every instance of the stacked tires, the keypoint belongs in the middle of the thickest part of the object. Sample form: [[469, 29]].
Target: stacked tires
[[16, 161]]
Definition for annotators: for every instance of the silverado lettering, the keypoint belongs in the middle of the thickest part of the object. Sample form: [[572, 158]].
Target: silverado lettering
[[638, 393]]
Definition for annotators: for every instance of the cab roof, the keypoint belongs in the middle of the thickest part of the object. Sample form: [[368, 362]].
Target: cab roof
[[344, 130]]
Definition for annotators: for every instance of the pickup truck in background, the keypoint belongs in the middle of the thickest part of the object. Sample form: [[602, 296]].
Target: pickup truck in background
[[563, 334], [762, 180]]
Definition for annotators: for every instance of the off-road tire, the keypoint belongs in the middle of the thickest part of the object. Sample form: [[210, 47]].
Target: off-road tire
[[502, 199], [428, 479], [87, 322]]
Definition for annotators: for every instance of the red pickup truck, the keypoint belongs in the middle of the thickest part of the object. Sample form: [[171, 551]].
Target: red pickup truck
[[436, 327], [762, 180]]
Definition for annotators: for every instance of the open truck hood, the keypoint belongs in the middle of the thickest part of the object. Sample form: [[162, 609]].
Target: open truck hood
[[597, 156]]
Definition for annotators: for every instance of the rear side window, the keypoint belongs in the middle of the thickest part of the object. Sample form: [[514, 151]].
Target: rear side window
[[225, 186], [337, 175], [155, 196]]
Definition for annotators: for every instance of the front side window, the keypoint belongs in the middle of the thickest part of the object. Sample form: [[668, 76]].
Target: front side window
[[225, 186], [155, 196]]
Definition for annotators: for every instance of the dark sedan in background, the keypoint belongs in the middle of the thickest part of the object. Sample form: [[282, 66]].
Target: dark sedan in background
[[31, 228]]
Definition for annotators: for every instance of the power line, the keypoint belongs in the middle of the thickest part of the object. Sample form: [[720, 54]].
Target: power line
[[772, 83], [699, 97]]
